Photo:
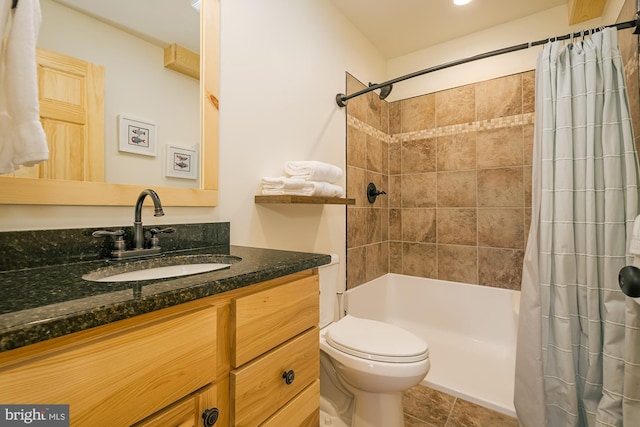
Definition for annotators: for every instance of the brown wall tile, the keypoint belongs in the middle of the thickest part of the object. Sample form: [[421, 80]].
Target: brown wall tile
[[376, 261], [501, 227], [356, 185], [458, 263], [500, 187], [419, 190], [527, 131], [374, 154], [395, 257], [457, 152], [455, 106], [457, 189], [394, 195], [419, 156], [356, 148], [395, 116], [356, 265], [395, 158], [356, 107], [500, 268], [418, 113], [419, 225], [500, 97], [457, 226], [395, 224], [374, 225], [528, 92], [420, 259], [500, 147], [356, 227]]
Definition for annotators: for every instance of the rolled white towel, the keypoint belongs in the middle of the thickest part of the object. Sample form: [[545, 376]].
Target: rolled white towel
[[313, 170], [282, 182]]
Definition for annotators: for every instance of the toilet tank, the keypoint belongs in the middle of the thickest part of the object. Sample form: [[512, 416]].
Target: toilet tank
[[329, 276]]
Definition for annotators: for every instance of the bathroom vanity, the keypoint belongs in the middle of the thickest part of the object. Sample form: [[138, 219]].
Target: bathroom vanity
[[235, 347]]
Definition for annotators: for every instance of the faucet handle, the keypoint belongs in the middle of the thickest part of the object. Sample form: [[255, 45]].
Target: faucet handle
[[155, 231], [118, 235], [154, 240]]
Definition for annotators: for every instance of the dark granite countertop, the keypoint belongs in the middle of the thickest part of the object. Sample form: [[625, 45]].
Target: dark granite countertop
[[51, 301]]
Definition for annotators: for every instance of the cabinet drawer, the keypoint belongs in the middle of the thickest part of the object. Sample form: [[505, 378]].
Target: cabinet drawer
[[184, 413], [302, 410], [266, 319], [123, 376], [258, 389]]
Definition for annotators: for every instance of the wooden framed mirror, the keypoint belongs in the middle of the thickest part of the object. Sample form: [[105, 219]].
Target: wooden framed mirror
[[30, 191]]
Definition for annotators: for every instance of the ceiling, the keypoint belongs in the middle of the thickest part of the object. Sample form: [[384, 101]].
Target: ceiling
[[161, 22], [395, 27], [398, 27]]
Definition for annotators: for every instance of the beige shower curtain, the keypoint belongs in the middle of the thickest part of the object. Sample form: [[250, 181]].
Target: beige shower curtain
[[578, 357]]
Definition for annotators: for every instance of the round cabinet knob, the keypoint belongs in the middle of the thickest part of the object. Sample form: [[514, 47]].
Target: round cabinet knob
[[288, 376], [210, 416]]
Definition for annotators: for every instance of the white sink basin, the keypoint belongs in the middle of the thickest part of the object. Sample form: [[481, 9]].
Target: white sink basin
[[161, 268], [160, 272]]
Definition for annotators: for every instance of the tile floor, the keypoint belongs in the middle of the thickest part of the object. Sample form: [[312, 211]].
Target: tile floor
[[425, 407]]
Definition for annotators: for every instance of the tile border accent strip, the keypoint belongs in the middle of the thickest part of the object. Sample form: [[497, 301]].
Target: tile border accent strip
[[480, 125]]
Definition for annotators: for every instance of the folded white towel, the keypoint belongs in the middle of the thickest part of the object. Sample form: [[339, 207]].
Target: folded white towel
[[313, 188], [313, 170], [282, 182]]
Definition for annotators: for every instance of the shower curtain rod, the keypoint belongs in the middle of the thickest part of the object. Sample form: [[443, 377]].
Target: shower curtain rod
[[385, 87]]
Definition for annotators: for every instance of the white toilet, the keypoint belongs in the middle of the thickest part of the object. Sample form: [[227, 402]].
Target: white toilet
[[365, 365]]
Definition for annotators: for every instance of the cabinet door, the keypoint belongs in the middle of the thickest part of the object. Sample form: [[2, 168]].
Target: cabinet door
[[123, 376]]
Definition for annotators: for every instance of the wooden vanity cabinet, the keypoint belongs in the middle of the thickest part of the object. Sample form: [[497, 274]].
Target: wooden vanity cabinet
[[276, 356], [120, 373], [166, 368]]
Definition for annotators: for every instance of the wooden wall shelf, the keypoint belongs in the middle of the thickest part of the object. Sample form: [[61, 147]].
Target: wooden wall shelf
[[310, 200]]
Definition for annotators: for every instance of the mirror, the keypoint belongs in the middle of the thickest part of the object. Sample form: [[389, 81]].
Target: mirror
[[122, 190]]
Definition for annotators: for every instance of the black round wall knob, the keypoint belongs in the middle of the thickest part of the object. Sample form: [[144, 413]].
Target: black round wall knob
[[288, 376]]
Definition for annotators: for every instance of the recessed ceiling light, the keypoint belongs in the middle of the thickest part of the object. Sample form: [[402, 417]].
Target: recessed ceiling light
[[461, 2]]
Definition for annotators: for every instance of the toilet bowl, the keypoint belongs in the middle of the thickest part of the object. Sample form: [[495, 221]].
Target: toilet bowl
[[365, 367]]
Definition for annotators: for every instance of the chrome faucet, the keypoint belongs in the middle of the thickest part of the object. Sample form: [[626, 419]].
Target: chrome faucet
[[138, 233]]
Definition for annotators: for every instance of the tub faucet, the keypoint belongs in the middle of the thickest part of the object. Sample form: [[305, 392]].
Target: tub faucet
[[138, 233]]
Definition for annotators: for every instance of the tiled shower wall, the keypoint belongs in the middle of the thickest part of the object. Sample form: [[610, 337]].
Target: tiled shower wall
[[457, 174], [456, 166]]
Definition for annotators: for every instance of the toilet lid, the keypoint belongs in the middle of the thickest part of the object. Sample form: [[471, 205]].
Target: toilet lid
[[375, 340]]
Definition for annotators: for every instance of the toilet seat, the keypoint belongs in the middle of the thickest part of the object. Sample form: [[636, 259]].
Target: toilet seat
[[373, 340]]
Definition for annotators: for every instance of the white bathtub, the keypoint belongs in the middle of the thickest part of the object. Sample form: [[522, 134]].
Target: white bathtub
[[470, 329]]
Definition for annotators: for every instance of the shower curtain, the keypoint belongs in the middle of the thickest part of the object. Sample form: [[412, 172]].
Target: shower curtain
[[578, 355]]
